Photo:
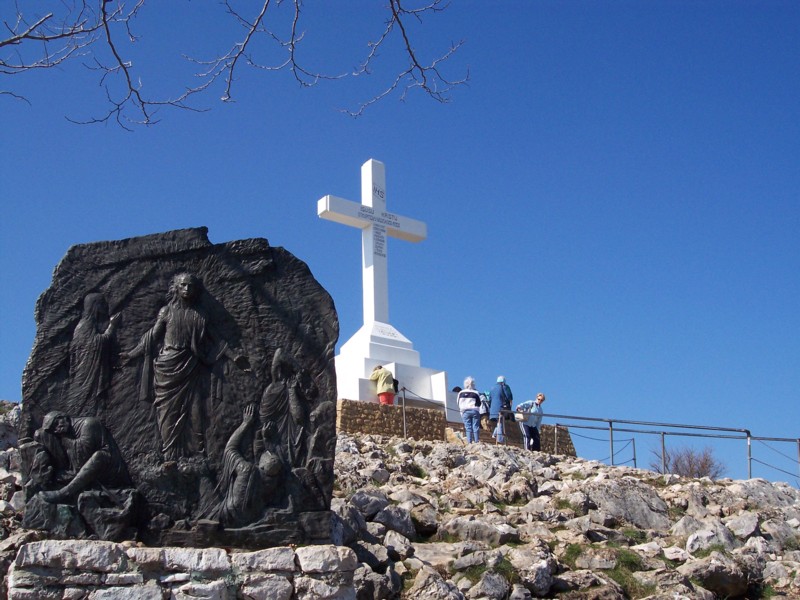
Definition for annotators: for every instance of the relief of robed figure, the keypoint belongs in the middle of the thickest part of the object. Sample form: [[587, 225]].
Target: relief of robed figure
[[180, 371], [276, 460], [286, 403], [90, 357], [250, 486], [76, 454]]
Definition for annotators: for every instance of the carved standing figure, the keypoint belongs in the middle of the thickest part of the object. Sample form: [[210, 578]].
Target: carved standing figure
[[90, 357], [178, 378], [321, 450], [285, 403]]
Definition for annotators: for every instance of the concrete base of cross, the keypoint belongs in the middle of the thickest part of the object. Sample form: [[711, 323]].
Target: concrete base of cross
[[381, 344]]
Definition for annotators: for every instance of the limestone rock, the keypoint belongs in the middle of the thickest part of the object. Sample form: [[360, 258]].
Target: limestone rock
[[535, 565], [587, 585], [718, 573], [369, 502], [398, 545], [491, 585], [429, 585], [713, 533], [376, 586], [743, 525], [472, 528], [425, 519], [630, 501], [484, 543]]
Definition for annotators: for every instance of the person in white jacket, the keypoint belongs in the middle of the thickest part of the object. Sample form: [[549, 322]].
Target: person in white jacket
[[530, 427], [469, 402]]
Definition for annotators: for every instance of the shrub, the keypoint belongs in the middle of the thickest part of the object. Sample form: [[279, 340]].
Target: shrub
[[507, 570], [637, 536], [627, 563], [571, 554], [702, 553], [629, 584], [689, 462], [629, 560]]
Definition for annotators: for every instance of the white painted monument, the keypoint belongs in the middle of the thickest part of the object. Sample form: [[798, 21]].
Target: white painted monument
[[378, 342]]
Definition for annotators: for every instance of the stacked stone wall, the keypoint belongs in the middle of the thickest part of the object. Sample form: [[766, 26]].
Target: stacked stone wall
[[369, 417], [429, 424], [91, 569]]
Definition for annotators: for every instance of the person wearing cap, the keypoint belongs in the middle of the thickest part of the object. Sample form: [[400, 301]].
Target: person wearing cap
[[531, 440], [500, 398], [384, 382]]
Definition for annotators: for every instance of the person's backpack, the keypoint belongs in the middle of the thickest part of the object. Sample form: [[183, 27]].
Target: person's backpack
[[505, 400], [396, 385], [484, 406]]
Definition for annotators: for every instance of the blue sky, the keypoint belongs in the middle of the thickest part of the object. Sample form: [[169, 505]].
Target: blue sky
[[612, 202]]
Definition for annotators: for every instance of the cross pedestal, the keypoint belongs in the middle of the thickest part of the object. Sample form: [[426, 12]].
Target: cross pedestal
[[377, 342]]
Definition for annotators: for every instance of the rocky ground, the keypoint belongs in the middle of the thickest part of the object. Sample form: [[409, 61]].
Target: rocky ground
[[438, 521]]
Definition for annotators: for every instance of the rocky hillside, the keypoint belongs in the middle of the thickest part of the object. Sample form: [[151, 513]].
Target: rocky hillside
[[435, 520], [439, 521]]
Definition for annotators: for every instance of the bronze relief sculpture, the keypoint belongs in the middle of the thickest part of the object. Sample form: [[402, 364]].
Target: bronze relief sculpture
[[205, 416]]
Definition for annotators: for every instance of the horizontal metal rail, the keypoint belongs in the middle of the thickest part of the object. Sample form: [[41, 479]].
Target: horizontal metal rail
[[657, 428], [654, 428]]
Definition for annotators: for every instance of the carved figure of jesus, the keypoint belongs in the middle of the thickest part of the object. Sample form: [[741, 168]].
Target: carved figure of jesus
[[181, 370]]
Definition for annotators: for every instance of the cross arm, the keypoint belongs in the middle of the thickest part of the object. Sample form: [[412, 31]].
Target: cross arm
[[358, 215], [341, 211]]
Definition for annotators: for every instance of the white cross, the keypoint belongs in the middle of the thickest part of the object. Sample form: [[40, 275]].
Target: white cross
[[375, 223]]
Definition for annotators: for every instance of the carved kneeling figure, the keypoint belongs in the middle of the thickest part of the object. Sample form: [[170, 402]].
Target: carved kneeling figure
[[248, 486], [74, 461], [75, 455]]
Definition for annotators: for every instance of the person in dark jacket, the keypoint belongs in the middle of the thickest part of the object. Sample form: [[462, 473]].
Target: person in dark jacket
[[500, 398]]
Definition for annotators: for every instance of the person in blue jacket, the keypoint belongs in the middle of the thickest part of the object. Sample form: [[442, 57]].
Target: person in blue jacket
[[531, 440], [500, 398]]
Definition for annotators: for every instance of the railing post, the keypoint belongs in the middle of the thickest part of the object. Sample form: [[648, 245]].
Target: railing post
[[611, 440], [655, 429], [798, 452], [634, 452], [749, 455], [405, 432]]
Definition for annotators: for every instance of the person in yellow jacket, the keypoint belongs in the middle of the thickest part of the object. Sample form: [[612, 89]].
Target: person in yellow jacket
[[384, 381]]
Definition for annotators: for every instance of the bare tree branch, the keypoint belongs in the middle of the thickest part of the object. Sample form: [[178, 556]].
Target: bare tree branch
[[101, 31], [15, 96], [426, 77], [59, 41], [29, 33], [240, 48]]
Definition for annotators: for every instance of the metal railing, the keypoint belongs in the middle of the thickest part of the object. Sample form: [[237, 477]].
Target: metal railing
[[679, 430], [663, 430]]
